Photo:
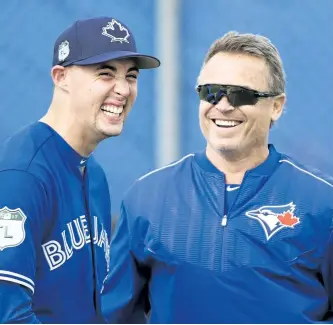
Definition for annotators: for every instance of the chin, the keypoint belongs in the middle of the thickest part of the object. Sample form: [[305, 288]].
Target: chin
[[225, 146], [230, 150], [104, 134], [110, 130], [227, 149], [113, 133]]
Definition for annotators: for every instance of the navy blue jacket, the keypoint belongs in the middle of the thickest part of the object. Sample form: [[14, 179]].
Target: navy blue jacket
[[268, 258], [55, 230]]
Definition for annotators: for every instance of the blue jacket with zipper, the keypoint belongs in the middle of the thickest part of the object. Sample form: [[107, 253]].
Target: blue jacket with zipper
[[265, 258]]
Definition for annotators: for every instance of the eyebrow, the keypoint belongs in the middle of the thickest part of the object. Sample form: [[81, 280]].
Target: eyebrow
[[114, 69]]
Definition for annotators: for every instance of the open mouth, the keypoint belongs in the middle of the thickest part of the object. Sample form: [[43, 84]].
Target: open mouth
[[112, 111], [226, 123]]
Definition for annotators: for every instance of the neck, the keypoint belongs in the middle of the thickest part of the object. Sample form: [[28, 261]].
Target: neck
[[235, 165], [70, 129]]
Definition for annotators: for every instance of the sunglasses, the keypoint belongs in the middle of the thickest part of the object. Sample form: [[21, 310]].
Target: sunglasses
[[237, 95]]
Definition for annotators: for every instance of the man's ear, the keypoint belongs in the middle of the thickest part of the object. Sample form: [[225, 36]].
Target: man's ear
[[59, 76], [279, 103]]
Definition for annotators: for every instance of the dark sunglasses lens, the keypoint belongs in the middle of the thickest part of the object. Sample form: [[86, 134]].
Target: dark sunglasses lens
[[210, 93], [239, 97], [202, 92]]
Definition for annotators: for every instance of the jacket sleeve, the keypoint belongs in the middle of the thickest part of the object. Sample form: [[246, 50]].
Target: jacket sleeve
[[124, 298], [22, 200], [327, 272]]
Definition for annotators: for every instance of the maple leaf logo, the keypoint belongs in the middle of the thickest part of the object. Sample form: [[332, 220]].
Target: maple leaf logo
[[288, 219], [121, 32]]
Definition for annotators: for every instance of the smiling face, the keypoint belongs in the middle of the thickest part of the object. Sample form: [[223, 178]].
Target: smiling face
[[242, 129], [101, 96]]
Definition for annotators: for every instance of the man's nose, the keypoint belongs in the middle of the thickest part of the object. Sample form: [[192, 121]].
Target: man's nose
[[121, 86], [223, 105]]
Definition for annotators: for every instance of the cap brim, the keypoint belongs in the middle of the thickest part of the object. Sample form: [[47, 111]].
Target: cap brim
[[143, 61]]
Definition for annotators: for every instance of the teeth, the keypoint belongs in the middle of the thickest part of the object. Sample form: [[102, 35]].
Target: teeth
[[227, 123], [112, 109], [111, 114]]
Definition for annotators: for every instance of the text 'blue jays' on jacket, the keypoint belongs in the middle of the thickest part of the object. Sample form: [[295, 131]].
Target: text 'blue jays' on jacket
[[55, 226]]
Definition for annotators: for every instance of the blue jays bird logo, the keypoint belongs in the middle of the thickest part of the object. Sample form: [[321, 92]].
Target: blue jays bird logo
[[273, 218]]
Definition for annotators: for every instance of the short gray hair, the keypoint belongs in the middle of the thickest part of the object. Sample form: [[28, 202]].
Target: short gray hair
[[255, 45]]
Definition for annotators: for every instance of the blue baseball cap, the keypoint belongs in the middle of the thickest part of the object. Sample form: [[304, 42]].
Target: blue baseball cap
[[98, 40]]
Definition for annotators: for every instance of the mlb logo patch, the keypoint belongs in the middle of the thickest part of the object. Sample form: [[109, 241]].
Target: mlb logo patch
[[274, 218]]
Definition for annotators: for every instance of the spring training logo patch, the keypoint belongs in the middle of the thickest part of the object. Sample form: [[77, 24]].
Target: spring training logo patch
[[12, 231], [274, 218], [63, 51]]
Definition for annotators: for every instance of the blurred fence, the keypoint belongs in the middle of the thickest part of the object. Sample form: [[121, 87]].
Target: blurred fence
[[301, 29]]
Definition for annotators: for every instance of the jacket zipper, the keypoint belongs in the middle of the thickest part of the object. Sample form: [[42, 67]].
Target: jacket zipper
[[93, 257], [224, 222]]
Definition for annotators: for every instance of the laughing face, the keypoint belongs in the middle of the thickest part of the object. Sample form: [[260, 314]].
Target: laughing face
[[241, 129], [102, 96]]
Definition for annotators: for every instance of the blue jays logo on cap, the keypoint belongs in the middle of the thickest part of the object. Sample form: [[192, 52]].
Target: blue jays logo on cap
[[98, 40], [113, 26]]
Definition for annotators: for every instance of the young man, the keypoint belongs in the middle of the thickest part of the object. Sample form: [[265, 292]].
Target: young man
[[55, 221], [238, 233]]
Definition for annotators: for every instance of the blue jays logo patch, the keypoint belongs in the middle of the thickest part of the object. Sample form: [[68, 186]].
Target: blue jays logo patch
[[273, 218]]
